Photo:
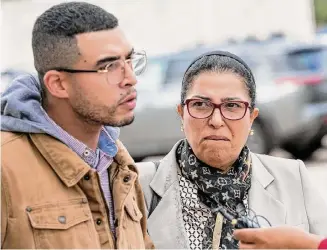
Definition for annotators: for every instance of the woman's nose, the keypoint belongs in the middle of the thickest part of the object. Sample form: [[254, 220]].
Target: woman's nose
[[216, 119]]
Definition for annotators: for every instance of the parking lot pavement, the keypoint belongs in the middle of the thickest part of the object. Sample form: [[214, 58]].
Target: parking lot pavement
[[317, 167]]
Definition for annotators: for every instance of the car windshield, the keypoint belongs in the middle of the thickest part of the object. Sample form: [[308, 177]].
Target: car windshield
[[152, 78], [307, 60]]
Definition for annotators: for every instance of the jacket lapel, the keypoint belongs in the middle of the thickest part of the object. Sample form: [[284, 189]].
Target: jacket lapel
[[261, 201], [166, 225]]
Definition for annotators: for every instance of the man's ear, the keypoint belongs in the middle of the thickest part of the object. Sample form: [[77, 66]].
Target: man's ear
[[55, 84]]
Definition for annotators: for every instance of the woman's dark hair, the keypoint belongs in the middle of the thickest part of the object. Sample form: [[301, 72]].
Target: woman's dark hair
[[219, 62]]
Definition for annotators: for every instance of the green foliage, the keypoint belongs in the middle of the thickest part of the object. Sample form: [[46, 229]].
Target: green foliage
[[320, 11]]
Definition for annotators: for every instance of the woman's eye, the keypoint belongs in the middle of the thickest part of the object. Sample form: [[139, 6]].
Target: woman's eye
[[199, 104], [232, 105]]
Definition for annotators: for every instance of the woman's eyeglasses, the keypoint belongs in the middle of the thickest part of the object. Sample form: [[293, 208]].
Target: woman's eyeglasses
[[230, 110], [115, 71]]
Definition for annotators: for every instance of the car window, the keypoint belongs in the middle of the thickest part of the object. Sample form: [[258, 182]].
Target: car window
[[307, 60], [152, 78], [175, 71]]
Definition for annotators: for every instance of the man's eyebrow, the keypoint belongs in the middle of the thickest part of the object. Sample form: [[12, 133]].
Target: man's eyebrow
[[113, 58]]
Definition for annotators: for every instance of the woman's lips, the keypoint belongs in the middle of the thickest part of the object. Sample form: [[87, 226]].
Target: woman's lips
[[216, 138]]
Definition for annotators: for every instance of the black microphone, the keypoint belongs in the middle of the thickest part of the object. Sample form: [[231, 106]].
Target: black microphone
[[238, 223]]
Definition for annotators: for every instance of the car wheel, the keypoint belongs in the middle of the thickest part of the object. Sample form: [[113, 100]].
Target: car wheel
[[306, 152], [259, 142]]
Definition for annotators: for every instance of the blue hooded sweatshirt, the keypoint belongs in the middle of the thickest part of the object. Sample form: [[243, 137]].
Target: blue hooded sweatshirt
[[21, 111]]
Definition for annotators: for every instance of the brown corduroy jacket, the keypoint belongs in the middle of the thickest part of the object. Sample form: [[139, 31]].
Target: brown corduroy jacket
[[50, 198]]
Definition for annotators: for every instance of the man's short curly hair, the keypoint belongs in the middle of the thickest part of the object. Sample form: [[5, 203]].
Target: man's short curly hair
[[53, 39]]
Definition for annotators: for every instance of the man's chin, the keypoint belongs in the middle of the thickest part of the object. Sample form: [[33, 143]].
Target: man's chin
[[126, 122], [121, 123]]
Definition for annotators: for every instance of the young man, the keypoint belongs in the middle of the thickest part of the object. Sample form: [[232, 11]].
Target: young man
[[279, 238], [66, 181]]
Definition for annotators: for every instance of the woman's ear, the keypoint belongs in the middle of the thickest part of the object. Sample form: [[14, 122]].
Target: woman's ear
[[254, 114], [180, 110]]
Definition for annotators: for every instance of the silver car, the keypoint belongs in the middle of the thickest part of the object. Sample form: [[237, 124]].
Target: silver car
[[157, 125]]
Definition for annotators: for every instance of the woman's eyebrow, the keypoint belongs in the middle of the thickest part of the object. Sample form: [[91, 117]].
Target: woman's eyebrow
[[202, 97], [225, 99]]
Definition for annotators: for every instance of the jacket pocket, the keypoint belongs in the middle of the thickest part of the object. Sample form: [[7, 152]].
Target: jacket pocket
[[66, 224], [130, 235], [133, 211]]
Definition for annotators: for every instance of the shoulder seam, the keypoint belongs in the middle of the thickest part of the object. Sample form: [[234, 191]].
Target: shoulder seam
[[14, 137]]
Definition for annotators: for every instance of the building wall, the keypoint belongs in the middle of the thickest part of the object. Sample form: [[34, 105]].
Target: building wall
[[160, 26]]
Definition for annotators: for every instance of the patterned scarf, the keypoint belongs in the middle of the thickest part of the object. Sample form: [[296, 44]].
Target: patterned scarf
[[216, 189]]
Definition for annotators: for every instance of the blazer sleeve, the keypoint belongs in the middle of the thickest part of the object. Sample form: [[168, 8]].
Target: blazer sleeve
[[316, 206], [147, 170]]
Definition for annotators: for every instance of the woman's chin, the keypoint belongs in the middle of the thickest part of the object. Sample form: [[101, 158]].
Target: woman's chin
[[216, 158]]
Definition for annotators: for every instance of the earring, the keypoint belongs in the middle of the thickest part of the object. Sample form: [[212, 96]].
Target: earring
[[182, 128], [251, 132]]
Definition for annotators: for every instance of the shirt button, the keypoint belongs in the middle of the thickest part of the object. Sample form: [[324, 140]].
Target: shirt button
[[127, 178], [84, 201], [86, 153], [99, 222], [62, 219], [87, 177]]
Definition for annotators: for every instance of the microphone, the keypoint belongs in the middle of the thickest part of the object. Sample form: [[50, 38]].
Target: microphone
[[238, 223]]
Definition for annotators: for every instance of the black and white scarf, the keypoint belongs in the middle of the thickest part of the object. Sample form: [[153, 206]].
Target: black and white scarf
[[216, 189]]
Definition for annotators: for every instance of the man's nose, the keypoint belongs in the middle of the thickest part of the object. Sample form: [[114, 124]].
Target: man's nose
[[129, 76]]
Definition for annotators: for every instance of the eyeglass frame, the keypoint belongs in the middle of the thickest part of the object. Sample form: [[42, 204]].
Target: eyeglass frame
[[101, 71], [216, 106]]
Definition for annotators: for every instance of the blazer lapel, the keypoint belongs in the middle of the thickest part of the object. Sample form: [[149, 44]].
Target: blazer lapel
[[165, 224], [261, 201]]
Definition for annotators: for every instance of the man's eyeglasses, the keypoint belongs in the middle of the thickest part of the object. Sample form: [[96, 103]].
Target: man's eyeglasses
[[230, 110], [115, 70]]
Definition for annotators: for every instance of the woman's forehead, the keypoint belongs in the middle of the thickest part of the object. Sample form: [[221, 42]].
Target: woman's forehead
[[218, 86]]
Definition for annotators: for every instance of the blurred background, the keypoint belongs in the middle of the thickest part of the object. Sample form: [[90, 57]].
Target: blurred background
[[283, 41]]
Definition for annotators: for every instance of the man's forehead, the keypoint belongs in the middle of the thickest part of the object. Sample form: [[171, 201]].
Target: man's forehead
[[111, 42]]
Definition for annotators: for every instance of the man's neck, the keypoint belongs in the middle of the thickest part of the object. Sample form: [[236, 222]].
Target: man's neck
[[82, 131]]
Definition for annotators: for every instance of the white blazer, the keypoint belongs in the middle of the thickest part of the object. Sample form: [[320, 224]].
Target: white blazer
[[280, 191]]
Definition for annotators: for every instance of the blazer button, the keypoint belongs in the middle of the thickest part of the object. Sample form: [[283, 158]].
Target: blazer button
[[99, 222], [127, 178], [87, 177]]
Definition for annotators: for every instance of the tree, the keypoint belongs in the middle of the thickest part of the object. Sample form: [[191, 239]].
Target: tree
[[320, 11]]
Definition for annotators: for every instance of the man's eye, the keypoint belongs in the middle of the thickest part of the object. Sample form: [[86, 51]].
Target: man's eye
[[103, 67]]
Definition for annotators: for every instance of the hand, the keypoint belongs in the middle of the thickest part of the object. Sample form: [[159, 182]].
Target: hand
[[276, 237]]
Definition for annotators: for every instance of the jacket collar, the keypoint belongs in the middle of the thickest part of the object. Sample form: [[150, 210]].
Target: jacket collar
[[168, 213], [68, 165], [166, 174]]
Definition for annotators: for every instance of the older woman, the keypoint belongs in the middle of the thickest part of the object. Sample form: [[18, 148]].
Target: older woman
[[212, 168]]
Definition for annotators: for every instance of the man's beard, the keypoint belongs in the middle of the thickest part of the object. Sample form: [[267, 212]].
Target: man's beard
[[101, 116]]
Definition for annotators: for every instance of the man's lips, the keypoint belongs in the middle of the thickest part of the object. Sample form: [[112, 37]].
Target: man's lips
[[129, 101], [129, 98]]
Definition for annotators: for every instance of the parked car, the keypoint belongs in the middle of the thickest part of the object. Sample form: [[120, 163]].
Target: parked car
[[305, 65], [157, 126], [321, 35]]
